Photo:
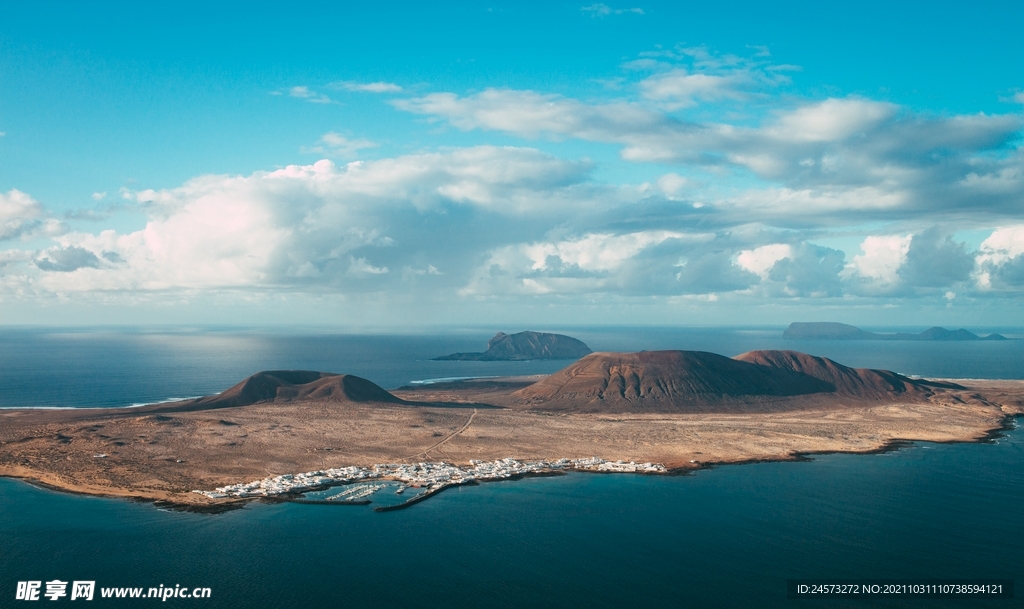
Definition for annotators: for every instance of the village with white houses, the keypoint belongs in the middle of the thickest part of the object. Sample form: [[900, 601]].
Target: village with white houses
[[431, 476]]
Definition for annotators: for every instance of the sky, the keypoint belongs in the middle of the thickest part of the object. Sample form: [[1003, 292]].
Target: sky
[[653, 163]]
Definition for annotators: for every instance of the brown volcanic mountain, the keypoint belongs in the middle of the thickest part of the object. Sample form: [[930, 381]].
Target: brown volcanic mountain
[[525, 346], [663, 381], [294, 385], [858, 382]]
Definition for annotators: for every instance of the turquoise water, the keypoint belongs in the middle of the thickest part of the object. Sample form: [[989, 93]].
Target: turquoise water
[[727, 537]]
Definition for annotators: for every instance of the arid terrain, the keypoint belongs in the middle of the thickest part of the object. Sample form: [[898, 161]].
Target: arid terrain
[[681, 409]]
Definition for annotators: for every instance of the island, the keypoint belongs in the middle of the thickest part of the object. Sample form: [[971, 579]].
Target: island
[[525, 346], [830, 330], [282, 434]]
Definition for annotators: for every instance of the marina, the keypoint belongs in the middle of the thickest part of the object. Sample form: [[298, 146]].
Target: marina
[[432, 477], [356, 493]]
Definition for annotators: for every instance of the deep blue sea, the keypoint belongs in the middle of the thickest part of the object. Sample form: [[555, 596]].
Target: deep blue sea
[[725, 537]]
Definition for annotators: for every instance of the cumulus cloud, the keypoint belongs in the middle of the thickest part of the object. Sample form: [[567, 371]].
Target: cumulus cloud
[[829, 121], [679, 88], [22, 216], [760, 260], [1000, 259], [935, 260], [637, 263], [810, 271], [13, 256], [846, 155], [881, 258], [685, 76], [325, 225], [711, 272], [796, 270]]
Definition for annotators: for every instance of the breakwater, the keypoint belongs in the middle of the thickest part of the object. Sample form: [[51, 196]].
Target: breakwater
[[435, 476]]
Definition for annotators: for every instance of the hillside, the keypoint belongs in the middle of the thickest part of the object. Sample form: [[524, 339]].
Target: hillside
[[525, 346], [855, 382], [662, 381], [293, 385]]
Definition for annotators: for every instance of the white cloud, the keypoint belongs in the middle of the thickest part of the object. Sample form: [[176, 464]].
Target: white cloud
[[533, 114], [829, 121], [1019, 97], [14, 256], [596, 252], [22, 216], [679, 88], [760, 260], [839, 154], [671, 183], [319, 224], [1004, 243], [337, 145], [595, 262], [1001, 255], [99, 196], [1000, 260], [366, 87], [16, 209], [603, 10], [309, 95], [359, 266], [881, 258]]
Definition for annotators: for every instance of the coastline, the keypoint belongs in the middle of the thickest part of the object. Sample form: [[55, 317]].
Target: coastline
[[178, 501], [893, 445], [175, 455]]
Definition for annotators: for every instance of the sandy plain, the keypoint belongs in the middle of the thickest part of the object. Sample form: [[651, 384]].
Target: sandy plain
[[159, 453]]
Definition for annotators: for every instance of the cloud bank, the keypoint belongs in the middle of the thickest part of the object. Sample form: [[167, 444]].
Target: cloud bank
[[751, 195]]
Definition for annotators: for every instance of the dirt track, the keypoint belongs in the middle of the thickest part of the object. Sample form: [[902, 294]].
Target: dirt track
[[157, 453]]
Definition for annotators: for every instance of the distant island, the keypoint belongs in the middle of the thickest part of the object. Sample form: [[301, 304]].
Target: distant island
[[830, 330], [525, 346]]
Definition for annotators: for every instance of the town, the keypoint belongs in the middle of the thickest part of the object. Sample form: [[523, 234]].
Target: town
[[432, 476]]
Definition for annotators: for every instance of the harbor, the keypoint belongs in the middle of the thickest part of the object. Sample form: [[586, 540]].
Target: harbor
[[427, 478]]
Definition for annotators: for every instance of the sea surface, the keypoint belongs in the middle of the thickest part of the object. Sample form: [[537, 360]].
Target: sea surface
[[42, 367], [724, 537]]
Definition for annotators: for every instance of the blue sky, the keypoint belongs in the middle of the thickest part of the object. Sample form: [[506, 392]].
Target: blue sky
[[527, 164]]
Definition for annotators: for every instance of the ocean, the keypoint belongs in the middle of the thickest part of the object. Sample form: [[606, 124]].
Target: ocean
[[725, 537], [102, 368]]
